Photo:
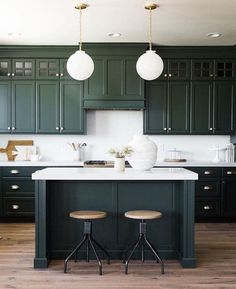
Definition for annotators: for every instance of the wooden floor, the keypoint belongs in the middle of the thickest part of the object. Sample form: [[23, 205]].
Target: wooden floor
[[216, 254]]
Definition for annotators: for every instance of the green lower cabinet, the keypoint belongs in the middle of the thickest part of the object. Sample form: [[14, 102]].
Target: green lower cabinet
[[59, 107], [17, 106], [167, 110], [114, 84]]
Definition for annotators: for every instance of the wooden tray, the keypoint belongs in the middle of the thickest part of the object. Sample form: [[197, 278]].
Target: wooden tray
[[11, 147]]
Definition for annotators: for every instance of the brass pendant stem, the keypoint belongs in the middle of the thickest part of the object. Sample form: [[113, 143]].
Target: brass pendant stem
[[150, 29], [80, 7]]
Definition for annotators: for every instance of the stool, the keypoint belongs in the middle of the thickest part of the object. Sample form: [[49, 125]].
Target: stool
[[87, 216], [142, 240]]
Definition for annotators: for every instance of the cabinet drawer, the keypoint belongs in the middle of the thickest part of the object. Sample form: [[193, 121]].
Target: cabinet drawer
[[18, 207], [207, 208], [18, 171], [18, 187], [210, 172], [229, 172], [207, 188]]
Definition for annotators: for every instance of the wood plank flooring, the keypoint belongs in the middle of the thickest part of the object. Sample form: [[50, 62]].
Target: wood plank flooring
[[216, 254]]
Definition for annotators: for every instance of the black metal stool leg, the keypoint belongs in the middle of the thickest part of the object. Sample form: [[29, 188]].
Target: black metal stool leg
[[99, 246], [73, 252], [87, 250], [155, 253], [142, 249], [96, 255], [126, 251], [131, 253]]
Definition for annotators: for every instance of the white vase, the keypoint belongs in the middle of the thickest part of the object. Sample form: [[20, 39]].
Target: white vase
[[76, 155], [119, 164], [144, 153]]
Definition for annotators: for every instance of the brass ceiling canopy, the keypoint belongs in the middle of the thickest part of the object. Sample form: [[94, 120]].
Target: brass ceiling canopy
[[81, 6], [151, 6]]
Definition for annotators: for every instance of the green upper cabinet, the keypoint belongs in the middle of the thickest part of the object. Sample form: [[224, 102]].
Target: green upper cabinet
[[208, 69], [63, 70], [17, 68], [167, 110], [175, 69], [59, 107], [224, 107], [17, 99], [201, 107], [114, 84], [48, 69], [5, 106]]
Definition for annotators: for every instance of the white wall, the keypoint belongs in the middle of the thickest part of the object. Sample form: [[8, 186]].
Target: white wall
[[106, 129]]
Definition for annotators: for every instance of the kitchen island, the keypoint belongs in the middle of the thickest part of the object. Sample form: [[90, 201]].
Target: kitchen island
[[62, 190]]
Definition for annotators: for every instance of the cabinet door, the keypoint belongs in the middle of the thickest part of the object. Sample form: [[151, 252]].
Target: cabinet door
[[47, 101], [5, 106], [5, 69], [23, 68], [71, 107], [224, 107], [178, 107], [155, 113], [63, 70], [229, 198], [224, 69], [47, 69], [202, 69], [201, 115], [23, 106], [178, 69]]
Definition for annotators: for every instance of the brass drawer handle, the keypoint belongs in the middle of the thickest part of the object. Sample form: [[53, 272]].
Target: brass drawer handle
[[231, 173], [14, 172], [208, 173], [207, 188], [207, 207], [15, 207], [15, 187]]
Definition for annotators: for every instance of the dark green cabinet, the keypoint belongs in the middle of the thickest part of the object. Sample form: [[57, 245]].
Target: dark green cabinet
[[114, 84], [53, 69], [175, 69], [17, 99], [228, 192], [17, 69], [167, 108], [60, 107], [212, 107]]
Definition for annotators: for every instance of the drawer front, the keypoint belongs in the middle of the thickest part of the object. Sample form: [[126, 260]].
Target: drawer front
[[18, 187], [207, 208], [210, 172], [207, 188], [13, 207], [18, 171], [229, 172]]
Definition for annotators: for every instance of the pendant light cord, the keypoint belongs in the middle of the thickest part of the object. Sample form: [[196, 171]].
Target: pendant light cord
[[150, 29], [80, 29]]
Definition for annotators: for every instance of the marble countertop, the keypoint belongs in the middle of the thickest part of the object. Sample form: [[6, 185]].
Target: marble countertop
[[111, 174]]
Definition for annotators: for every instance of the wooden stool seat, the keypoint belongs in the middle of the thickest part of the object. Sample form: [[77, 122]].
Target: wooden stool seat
[[88, 215], [143, 214]]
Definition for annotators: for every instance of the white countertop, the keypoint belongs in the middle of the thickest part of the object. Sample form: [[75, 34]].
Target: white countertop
[[41, 164], [111, 174], [194, 164]]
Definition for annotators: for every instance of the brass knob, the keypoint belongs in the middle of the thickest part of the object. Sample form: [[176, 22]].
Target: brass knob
[[210, 128], [57, 74], [57, 128], [165, 75], [13, 128], [170, 75], [15, 207], [14, 172], [165, 128], [62, 128], [9, 74], [169, 128], [15, 187], [9, 128], [62, 74], [13, 74]]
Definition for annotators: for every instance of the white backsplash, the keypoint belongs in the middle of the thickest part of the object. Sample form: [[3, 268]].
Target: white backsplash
[[106, 129]]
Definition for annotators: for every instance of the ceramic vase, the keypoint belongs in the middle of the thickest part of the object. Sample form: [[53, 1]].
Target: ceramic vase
[[144, 154], [119, 164]]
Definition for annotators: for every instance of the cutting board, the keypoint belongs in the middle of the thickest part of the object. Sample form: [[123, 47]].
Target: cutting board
[[11, 147]]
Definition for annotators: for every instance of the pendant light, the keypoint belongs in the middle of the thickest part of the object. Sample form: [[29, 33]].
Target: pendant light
[[150, 65], [80, 65]]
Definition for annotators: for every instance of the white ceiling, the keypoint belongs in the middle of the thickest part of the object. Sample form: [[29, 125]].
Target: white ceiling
[[176, 22]]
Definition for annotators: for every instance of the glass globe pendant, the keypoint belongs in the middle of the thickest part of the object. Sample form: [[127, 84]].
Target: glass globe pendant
[[150, 65], [80, 65]]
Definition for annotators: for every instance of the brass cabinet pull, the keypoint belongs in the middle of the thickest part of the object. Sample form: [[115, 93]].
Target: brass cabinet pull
[[57, 74], [210, 128], [14, 172], [62, 74], [170, 75], [231, 173], [208, 173], [165, 128], [207, 188], [15, 187], [9, 74], [207, 207], [165, 75], [13, 74], [15, 207]]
